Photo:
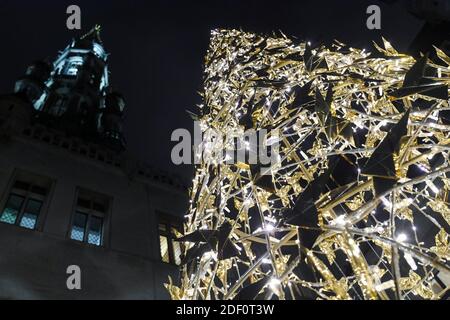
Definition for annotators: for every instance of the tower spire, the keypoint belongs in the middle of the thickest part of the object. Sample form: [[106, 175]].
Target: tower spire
[[93, 34], [73, 93]]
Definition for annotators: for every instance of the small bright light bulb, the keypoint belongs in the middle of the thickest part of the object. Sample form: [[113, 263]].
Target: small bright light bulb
[[402, 237], [274, 283], [340, 221]]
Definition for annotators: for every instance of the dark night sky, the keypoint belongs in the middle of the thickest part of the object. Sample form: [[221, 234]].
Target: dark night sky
[[157, 48]]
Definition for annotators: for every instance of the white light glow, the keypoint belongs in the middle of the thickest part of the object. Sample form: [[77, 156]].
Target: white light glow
[[269, 227], [402, 237], [274, 283], [340, 221]]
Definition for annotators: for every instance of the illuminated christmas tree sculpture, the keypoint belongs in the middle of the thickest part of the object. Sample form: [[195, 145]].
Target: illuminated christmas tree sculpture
[[356, 203]]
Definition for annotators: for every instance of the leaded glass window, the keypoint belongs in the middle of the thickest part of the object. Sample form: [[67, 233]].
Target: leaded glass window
[[88, 222], [30, 214], [25, 201], [12, 209]]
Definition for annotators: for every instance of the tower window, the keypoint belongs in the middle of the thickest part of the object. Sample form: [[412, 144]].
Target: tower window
[[99, 51], [72, 65], [170, 249], [25, 201], [88, 222], [79, 226]]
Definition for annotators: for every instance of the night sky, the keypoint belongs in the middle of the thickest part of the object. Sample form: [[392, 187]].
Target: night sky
[[157, 48]]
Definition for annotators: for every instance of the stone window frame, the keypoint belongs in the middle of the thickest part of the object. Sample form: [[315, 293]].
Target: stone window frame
[[91, 211], [32, 179]]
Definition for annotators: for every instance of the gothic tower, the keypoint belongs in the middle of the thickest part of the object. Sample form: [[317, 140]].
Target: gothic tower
[[70, 194], [73, 93]]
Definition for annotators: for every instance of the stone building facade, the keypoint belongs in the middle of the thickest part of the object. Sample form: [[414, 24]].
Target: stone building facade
[[70, 194]]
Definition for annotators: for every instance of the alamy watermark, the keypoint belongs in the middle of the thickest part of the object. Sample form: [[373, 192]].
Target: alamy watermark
[[373, 22], [74, 20], [73, 281]]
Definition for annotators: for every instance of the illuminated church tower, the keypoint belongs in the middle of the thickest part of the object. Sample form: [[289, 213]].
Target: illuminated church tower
[[71, 194], [74, 93]]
